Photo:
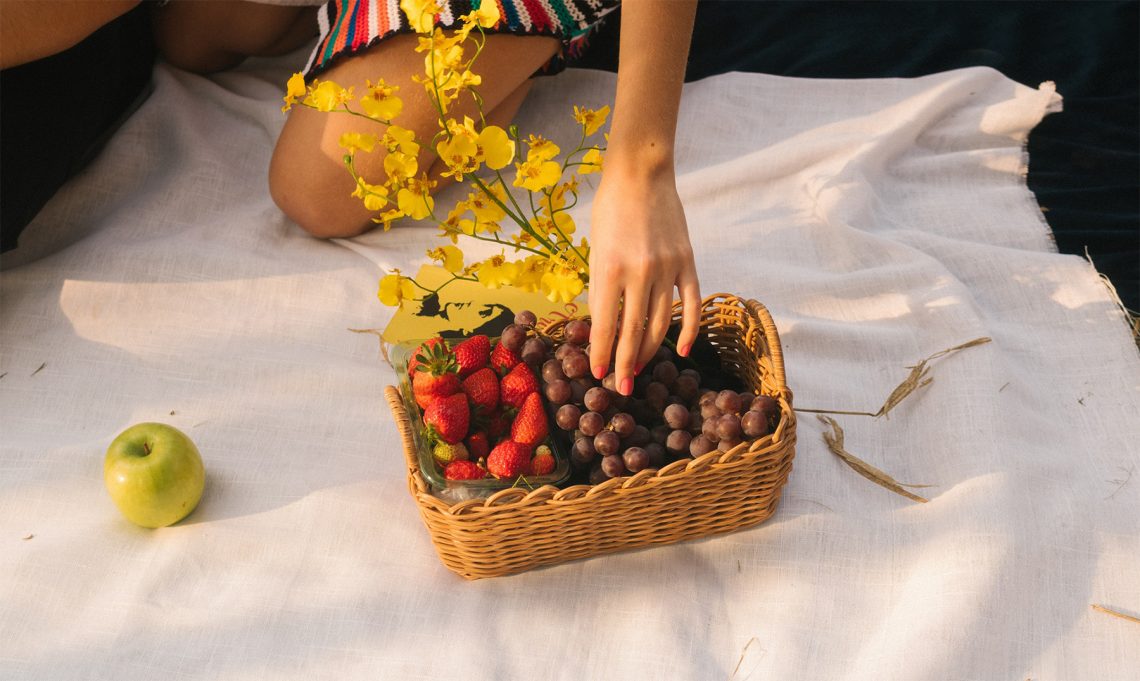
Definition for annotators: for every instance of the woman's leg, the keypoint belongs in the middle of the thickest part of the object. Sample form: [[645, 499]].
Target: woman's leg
[[208, 36], [307, 176]]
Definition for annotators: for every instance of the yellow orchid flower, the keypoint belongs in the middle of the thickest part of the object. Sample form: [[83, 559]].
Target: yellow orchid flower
[[396, 289], [293, 89], [400, 166], [530, 273], [421, 14], [388, 217], [327, 96], [402, 139], [536, 175], [562, 284], [374, 196], [352, 141], [540, 148], [497, 148], [496, 271], [381, 103], [449, 256], [591, 119], [591, 162], [484, 208], [416, 205]]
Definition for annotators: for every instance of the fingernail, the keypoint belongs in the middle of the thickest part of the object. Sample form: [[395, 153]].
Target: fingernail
[[684, 349], [626, 386], [637, 369], [599, 372]]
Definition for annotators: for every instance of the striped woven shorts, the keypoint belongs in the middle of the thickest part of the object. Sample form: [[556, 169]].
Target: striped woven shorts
[[350, 26]]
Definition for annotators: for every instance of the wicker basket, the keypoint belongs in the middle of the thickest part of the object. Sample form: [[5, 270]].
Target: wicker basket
[[518, 529]]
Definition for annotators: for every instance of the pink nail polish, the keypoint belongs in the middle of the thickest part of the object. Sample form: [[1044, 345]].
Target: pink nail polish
[[626, 386], [684, 350], [599, 372]]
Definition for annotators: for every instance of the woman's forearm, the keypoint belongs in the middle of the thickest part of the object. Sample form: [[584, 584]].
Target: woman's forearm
[[654, 50]]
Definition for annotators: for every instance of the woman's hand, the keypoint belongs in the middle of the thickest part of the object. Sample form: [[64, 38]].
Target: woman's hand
[[639, 253], [639, 242]]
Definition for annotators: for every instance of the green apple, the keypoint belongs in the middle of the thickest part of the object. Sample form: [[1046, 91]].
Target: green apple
[[154, 474]]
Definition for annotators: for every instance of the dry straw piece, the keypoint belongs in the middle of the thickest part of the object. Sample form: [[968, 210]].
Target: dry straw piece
[[516, 529], [834, 441], [1115, 613]]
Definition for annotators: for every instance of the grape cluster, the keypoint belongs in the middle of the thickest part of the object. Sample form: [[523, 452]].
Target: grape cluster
[[667, 418]]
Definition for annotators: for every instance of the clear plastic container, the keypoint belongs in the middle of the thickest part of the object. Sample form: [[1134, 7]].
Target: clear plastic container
[[460, 490]]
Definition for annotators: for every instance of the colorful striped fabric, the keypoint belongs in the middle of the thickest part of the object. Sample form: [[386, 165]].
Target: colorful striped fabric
[[348, 26]]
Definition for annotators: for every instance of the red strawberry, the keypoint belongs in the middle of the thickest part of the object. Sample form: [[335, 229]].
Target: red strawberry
[[472, 354], [482, 388], [435, 375], [478, 446], [503, 359], [530, 427], [509, 460], [516, 385], [448, 417], [464, 470], [542, 463], [498, 422], [424, 348]]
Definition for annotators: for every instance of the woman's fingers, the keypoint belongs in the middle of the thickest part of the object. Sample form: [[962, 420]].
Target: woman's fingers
[[603, 301], [690, 290], [659, 315], [633, 326]]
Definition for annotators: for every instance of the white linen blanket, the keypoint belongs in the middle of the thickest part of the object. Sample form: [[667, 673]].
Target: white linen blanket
[[880, 221]]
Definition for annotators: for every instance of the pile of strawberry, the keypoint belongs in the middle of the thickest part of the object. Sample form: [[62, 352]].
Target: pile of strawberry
[[482, 412]]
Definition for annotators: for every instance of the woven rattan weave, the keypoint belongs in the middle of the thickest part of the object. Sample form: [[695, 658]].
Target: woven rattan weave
[[518, 529]]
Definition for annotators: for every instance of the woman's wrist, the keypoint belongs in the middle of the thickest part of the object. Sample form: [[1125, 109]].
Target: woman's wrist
[[640, 159]]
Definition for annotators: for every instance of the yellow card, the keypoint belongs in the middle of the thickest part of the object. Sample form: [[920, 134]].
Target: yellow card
[[466, 308]]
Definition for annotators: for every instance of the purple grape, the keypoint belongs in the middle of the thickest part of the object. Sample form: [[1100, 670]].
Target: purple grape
[[709, 430], [746, 401], [607, 443], [655, 394], [663, 354], [623, 424], [613, 466], [710, 411], [558, 392], [660, 434], [686, 388], [565, 350], [526, 318], [728, 427], [567, 416], [583, 452], [552, 371], [766, 405], [576, 365], [754, 424], [656, 454], [534, 351], [610, 382], [640, 437], [578, 332], [578, 391], [696, 421], [665, 372], [597, 475], [707, 397], [678, 442], [591, 423], [597, 399], [725, 445], [677, 417], [635, 459], [701, 445], [728, 401], [692, 372], [513, 337]]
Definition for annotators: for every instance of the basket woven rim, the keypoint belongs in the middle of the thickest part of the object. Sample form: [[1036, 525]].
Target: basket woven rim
[[515, 498]]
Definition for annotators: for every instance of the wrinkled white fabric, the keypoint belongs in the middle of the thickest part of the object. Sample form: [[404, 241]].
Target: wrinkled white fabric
[[879, 220]]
